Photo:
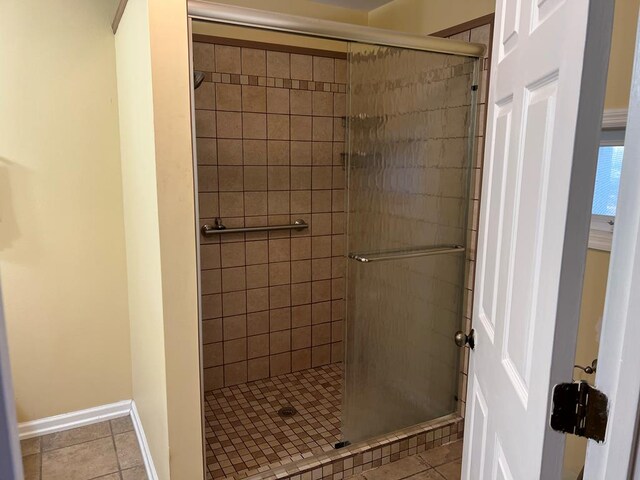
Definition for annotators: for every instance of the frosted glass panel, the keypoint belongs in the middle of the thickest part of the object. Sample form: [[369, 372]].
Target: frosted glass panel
[[408, 172]]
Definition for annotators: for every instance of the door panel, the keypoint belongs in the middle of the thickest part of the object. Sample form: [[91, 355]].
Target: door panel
[[545, 104]]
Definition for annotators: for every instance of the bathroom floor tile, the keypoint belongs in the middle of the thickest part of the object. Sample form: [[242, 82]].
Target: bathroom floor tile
[[450, 471], [106, 451], [444, 454], [245, 434]]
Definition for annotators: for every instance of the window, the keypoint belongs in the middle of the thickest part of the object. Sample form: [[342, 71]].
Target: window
[[605, 195]]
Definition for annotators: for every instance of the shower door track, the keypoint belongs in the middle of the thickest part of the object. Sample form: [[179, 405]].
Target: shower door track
[[249, 17]]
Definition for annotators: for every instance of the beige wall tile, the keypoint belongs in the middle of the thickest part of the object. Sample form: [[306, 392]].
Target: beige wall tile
[[257, 299], [254, 62], [340, 66], [300, 102], [300, 178], [207, 178], [300, 338], [211, 281], [258, 276], [213, 378], [255, 203], [340, 104], [233, 279], [229, 152], [278, 203], [300, 153], [277, 127], [280, 364], [229, 125], [279, 319], [338, 177], [321, 291], [254, 99], [278, 178], [337, 331], [320, 224], [255, 178], [228, 97], [258, 368], [338, 130], [209, 205], [322, 129], [278, 65], [321, 201], [337, 288], [234, 327], [277, 100], [323, 69], [234, 303], [301, 271], [300, 359], [231, 205], [321, 334], [321, 178], [301, 316], [205, 123], [301, 201], [254, 152], [320, 355], [337, 309], [212, 330], [300, 127], [280, 341], [338, 200], [257, 252], [300, 293], [230, 178], [279, 250], [205, 96], [278, 152], [300, 248], [301, 67], [279, 273], [337, 352], [212, 306], [258, 346], [227, 59], [254, 125], [280, 296], [204, 56], [320, 313], [338, 246], [337, 223], [212, 355], [207, 150], [322, 103], [257, 323], [235, 373], [322, 153]]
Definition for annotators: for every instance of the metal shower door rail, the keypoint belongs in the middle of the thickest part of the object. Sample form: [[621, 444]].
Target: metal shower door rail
[[249, 17]]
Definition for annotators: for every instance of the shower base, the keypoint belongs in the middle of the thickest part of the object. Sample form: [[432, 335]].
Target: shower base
[[246, 435]]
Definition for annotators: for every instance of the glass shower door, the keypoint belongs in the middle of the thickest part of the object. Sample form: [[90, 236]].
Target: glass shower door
[[409, 124]]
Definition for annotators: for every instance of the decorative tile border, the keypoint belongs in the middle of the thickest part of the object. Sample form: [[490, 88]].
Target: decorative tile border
[[238, 79]]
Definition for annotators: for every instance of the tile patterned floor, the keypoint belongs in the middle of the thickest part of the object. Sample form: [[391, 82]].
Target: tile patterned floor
[[245, 434], [106, 451], [440, 463]]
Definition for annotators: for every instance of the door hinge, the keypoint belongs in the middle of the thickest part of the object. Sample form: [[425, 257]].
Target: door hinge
[[579, 409]]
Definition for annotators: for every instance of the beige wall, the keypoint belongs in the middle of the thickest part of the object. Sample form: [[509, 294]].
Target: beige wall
[[62, 256], [625, 22], [153, 83]]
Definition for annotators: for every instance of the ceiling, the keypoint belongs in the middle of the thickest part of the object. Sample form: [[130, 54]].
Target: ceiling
[[365, 5]]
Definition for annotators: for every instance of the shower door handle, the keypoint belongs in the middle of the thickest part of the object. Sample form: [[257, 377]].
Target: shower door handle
[[463, 340]]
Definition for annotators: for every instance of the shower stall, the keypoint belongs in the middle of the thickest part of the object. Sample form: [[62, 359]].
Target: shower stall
[[334, 211]]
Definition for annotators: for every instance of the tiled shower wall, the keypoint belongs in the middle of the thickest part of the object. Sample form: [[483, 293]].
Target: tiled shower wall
[[270, 142]]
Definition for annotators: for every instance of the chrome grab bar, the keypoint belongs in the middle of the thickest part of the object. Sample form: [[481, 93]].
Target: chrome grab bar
[[219, 229], [401, 254]]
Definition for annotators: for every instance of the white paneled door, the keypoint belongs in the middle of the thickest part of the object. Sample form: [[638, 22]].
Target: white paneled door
[[544, 111]]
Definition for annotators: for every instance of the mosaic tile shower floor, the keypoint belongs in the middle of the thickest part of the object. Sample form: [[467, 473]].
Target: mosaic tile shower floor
[[246, 435]]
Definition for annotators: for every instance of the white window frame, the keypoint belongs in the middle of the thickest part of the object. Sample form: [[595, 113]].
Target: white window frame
[[601, 232]]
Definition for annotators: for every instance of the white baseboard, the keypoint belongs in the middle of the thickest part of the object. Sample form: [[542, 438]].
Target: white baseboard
[[80, 418], [142, 441]]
